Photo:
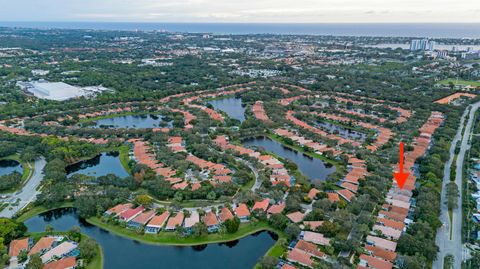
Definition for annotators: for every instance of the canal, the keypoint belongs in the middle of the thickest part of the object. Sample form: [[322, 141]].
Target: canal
[[314, 169], [123, 253]]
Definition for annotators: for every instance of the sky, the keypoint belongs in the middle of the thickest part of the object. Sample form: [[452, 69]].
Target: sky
[[266, 11]]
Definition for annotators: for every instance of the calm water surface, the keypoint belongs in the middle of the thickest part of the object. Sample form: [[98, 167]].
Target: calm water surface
[[123, 253], [101, 165], [232, 106], [9, 166], [312, 168], [134, 121], [341, 131]]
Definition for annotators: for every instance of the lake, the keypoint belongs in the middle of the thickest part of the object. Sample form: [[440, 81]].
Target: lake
[[101, 165], [232, 106], [123, 253], [134, 121], [9, 166], [314, 169], [341, 131]]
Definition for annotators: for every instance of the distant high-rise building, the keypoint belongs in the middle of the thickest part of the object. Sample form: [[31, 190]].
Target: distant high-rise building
[[422, 44]]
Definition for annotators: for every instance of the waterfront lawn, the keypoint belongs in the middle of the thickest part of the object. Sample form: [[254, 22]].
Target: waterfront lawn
[[173, 238]]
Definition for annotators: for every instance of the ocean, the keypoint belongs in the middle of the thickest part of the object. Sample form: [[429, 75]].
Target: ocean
[[429, 30]]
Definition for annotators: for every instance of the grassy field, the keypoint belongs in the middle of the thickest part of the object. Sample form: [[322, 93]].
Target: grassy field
[[460, 82], [172, 238]]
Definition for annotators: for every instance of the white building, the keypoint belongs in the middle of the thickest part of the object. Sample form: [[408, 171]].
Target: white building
[[58, 91]]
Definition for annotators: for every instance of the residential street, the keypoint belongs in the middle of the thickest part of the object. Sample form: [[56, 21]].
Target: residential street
[[446, 244], [28, 193]]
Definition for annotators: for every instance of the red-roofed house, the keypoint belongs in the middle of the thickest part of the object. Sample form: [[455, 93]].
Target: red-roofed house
[[242, 212], [42, 245], [156, 223], [173, 222], [276, 209], [261, 205], [65, 263], [211, 222], [16, 246], [310, 248], [300, 257], [225, 214], [373, 262], [296, 217], [130, 214]]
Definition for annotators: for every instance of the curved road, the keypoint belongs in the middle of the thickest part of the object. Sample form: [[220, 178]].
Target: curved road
[[453, 245], [28, 193]]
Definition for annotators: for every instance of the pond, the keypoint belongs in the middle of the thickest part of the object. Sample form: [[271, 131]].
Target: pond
[[314, 169], [341, 131], [9, 166], [100, 165], [232, 106], [123, 253], [134, 121]]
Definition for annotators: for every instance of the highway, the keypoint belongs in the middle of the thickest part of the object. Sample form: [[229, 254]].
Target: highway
[[28, 193], [453, 245]]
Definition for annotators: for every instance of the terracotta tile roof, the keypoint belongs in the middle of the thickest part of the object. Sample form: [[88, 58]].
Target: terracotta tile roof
[[242, 210], [333, 197], [65, 263], [176, 220], [346, 194], [381, 253], [316, 238], [381, 243], [119, 208], [296, 217], [313, 193], [261, 205], [144, 217], [225, 214], [376, 263], [43, 244], [16, 246], [300, 257], [159, 220], [288, 266], [210, 219], [276, 209], [310, 248], [131, 213]]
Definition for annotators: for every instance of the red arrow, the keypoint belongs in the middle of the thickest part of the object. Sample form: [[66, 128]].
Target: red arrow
[[401, 177]]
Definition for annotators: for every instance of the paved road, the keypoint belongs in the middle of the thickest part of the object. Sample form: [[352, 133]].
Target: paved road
[[28, 193], [446, 244]]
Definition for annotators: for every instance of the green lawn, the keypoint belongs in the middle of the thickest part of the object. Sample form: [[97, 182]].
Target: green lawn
[[171, 238], [460, 82]]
